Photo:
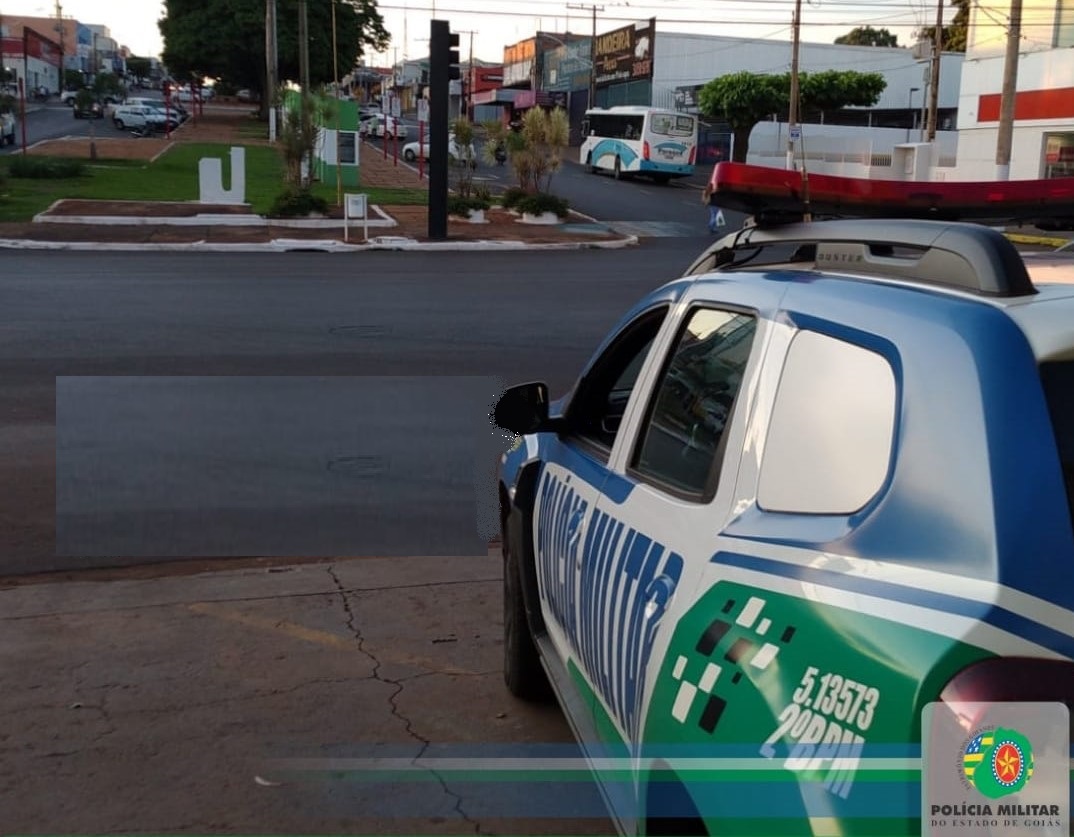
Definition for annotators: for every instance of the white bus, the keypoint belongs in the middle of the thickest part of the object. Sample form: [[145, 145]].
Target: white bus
[[631, 139]]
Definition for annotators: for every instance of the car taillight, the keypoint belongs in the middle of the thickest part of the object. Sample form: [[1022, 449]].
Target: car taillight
[[645, 150], [1013, 680], [693, 154]]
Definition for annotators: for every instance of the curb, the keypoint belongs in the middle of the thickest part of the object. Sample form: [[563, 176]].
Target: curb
[[282, 245], [1042, 240]]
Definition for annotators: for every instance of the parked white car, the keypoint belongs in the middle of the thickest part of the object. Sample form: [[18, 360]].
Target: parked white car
[[457, 153], [379, 125], [138, 116]]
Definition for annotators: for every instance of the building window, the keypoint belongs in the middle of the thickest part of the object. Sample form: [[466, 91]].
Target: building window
[[1064, 23], [1058, 155]]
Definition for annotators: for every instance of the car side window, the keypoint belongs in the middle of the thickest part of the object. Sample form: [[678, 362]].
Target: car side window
[[597, 408], [680, 443], [829, 443]]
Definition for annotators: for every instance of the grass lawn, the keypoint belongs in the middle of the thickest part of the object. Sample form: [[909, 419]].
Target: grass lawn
[[173, 177], [383, 196]]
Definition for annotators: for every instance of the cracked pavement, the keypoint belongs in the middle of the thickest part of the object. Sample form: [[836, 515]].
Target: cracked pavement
[[183, 704]]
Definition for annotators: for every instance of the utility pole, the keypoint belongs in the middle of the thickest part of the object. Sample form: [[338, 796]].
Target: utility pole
[[304, 80], [934, 74], [792, 119], [1010, 91], [335, 78], [303, 47], [592, 53], [470, 68], [59, 31], [272, 65]]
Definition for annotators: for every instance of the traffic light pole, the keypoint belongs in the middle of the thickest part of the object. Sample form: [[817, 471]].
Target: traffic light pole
[[443, 67]]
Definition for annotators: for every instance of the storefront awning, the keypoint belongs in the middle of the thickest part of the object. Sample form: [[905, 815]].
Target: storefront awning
[[495, 97]]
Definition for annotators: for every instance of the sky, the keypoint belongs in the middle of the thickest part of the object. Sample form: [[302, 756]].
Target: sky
[[496, 23]]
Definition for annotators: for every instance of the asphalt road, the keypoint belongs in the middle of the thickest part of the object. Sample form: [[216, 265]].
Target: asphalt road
[[635, 206], [53, 120], [255, 465]]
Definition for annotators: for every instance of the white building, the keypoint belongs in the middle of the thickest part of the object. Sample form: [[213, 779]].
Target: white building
[[684, 61], [849, 141], [1043, 137]]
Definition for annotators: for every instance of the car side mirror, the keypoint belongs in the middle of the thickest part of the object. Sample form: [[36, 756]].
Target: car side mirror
[[523, 409]]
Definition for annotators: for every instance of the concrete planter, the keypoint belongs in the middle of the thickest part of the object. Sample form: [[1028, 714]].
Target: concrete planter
[[475, 216], [547, 218]]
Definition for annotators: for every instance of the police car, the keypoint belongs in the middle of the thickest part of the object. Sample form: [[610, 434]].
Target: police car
[[821, 481]]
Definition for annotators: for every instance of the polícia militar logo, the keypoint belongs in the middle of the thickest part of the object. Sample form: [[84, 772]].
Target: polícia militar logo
[[998, 762]]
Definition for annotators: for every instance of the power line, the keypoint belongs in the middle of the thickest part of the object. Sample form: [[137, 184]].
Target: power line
[[737, 21]]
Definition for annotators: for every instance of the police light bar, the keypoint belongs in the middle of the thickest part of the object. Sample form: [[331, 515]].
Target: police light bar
[[777, 194]]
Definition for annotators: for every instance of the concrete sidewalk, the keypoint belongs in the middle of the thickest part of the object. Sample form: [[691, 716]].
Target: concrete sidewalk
[[158, 701]]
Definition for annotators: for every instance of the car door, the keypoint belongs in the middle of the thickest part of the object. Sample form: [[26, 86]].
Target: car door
[[676, 462], [574, 475]]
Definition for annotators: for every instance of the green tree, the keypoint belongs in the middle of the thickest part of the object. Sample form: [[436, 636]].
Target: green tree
[[463, 130], [73, 79], [535, 152], [547, 133], [954, 36], [743, 99], [304, 114], [108, 85], [225, 39], [867, 36]]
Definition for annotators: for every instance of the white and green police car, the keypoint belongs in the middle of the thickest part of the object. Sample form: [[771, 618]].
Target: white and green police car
[[823, 480]]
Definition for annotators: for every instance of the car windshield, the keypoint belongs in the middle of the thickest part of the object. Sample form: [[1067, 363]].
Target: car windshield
[[1058, 381]]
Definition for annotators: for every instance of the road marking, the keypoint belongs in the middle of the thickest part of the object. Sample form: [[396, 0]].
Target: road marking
[[658, 229], [329, 640]]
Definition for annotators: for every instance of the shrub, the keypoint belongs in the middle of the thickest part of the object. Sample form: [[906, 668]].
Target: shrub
[[511, 197], [461, 205], [45, 168], [296, 203], [536, 204], [482, 193]]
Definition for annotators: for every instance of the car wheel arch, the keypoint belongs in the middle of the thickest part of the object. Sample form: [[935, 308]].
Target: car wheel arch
[[517, 524]]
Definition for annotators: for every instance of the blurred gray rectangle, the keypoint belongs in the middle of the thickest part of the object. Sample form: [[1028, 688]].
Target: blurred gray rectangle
[[221, 466]]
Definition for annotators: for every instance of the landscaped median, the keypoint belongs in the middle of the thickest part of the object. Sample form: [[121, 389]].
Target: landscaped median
[[155, 200], [33, 183]]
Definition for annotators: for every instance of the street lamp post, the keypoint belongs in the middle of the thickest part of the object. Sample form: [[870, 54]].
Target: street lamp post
[[913, 113]]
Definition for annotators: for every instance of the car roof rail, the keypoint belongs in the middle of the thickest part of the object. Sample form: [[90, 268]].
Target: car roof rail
[[964, 256]]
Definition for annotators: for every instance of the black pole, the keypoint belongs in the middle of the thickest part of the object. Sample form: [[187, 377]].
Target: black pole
[[439, 46]]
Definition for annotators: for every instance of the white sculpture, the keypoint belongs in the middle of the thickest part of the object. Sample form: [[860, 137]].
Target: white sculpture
[[211, 179]]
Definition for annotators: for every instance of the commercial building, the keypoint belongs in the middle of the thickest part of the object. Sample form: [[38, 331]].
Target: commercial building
[[36, 48], [1042, 143], [638, 64]]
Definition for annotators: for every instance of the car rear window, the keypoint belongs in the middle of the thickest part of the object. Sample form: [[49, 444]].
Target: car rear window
[[1058, 380]]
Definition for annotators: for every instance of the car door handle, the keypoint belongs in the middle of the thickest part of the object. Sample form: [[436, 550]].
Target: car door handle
[[657, 595], [574, 526]]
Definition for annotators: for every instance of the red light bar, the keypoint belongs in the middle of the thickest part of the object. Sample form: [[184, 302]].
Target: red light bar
[[762, 191]]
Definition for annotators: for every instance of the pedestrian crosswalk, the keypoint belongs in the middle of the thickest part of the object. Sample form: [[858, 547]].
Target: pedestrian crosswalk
[[658, 229]]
